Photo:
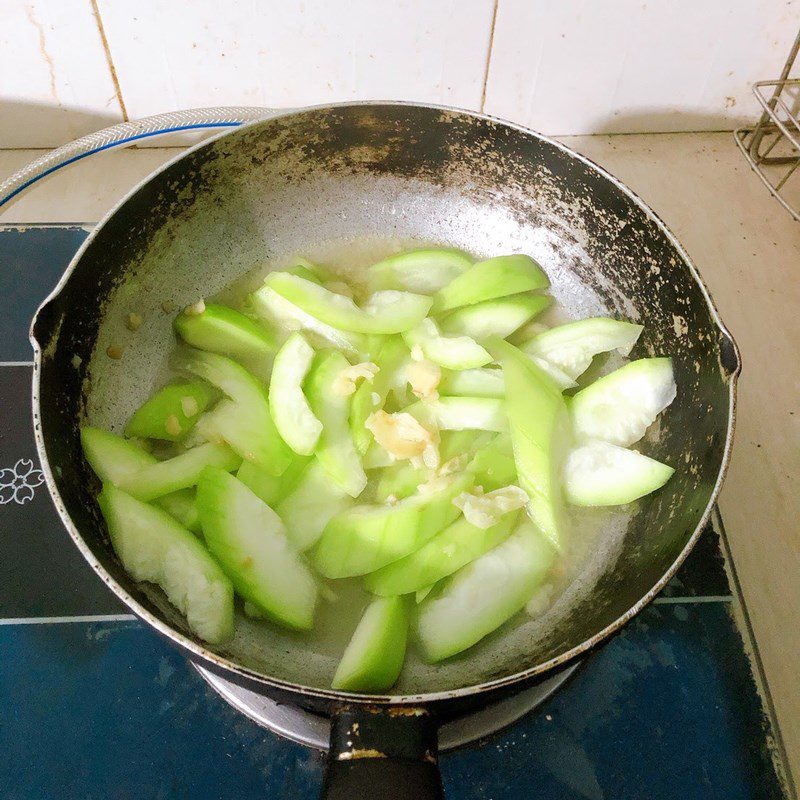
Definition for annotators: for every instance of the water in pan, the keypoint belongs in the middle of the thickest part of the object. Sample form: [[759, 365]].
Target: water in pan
[[595, 537]]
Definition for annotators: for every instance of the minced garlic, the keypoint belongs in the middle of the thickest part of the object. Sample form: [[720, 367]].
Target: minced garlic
[[485, 510], [189, 406], [173, 426], [345, 382], [195, 309], [455, 464], [399, 434], [435, 484], [429, 459], [424, 377]]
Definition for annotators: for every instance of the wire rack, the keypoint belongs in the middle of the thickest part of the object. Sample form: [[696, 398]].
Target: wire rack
[[773, 146]]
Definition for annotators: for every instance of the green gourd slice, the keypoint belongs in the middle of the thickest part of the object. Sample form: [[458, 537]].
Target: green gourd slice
[[219, 329], [604, 474], [496, 277], [484, 595], [249, 541], [153, 547], [171, 412], [374, 656], [288, 406]]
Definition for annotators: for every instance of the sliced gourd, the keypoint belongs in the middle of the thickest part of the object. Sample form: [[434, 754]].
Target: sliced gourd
[[153, 547], [113, 459], [304, 268], [182, 506], [421, 594], [448, 551], [305, 511], [493, 465], [222, 330], [462, 413], [371, 395], [171, 412], [486, 280], [524, 334], [452, 352], [483, 595], [385, 312], [420, 271], [288, 317], [374, 657], [304, 272], [272, 488], [539, 425], [470, 413], [571, 347], [398, 481], [462, 443], [603, 474], [500, 317], [487, 382], [179, 472], [248, 428], [620, 407], [377, 457], [364, 538], [555, 373], [249, 541], [336, 450], [288, 406]]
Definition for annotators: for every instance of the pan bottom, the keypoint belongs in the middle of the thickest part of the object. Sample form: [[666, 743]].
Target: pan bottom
[[313, 730]]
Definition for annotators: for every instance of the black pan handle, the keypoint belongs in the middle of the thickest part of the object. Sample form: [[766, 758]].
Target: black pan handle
[[383, 753]]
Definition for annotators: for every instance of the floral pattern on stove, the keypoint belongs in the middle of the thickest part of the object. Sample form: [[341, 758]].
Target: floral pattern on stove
[[17, 483]]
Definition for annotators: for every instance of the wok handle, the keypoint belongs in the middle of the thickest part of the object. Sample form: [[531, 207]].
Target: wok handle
[[383, 753]]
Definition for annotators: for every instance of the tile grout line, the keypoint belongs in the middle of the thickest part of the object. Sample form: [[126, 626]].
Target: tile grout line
[[489, 56], [110, 61], [60, 620]]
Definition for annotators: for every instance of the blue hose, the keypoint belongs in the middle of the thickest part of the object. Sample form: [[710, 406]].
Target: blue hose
[[108, 146]]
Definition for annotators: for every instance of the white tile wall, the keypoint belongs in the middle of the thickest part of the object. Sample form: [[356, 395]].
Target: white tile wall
[[55, 83], [563, 67], [589, 66], [285, 53]]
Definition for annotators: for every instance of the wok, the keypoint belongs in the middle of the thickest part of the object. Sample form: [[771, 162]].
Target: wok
[[342, 179]]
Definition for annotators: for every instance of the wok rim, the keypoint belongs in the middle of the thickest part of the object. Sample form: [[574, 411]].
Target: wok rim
[[329, 695]]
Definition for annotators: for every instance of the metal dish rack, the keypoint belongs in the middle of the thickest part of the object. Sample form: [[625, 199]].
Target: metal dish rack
[[773, 146]]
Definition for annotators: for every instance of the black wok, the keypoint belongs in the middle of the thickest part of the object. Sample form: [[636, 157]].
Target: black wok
[[338, 179]]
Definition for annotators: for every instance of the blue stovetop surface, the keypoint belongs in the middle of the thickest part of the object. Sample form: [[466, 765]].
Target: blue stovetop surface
[[94, 705]]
